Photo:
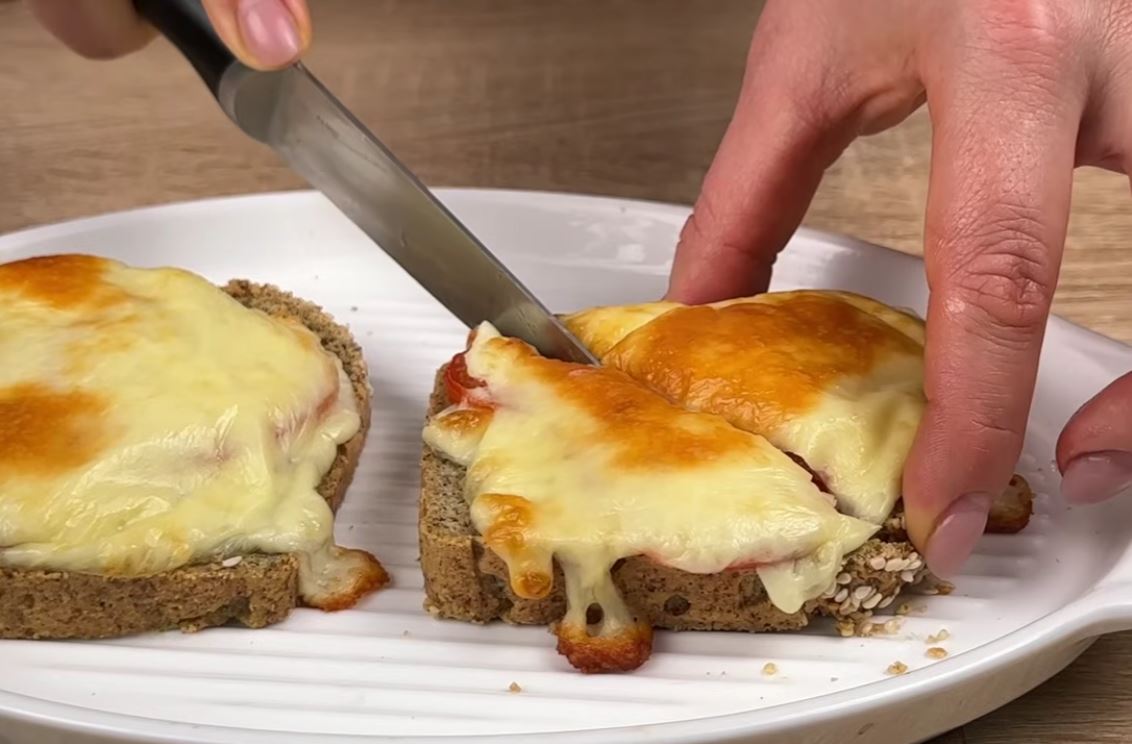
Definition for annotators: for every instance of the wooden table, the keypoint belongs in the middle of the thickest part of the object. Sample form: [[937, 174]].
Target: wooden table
[[619, 97]]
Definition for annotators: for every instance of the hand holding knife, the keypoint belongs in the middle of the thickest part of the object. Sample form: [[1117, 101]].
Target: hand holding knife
[[293, 113]]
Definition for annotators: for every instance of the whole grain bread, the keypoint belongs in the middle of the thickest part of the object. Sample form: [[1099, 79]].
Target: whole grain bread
[[253, 590], [466, 581]]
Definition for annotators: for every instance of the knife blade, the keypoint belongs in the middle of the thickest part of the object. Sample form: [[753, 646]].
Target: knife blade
[[293, 113]]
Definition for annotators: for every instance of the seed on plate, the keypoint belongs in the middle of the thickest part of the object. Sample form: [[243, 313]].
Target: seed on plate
[[896, 667], [841, 596], [904, 609], [863, 592], [872, 601], [770, 669], [514, 687], [935, 652], [942, 635], [892, 626], [877, 562], [944, 588], [843, 578]]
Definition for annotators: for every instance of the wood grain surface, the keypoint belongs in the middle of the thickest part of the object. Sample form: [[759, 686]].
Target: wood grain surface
[[618, 97]]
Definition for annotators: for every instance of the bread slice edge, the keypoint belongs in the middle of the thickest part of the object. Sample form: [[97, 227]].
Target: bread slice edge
[[466, 581], [255, 591]]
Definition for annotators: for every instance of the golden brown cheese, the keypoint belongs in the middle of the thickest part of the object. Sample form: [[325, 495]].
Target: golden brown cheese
[[42, 430], [148, 421], [587, 466], [60, 282], [833, 377]]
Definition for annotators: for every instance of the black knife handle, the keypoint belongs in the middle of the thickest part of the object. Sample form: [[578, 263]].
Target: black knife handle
[[185, 23]]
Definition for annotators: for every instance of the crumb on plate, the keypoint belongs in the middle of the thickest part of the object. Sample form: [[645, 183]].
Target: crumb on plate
[[942, 635]]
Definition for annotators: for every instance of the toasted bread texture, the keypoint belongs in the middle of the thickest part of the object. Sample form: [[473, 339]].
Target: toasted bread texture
[[466, 581], [254, 590]]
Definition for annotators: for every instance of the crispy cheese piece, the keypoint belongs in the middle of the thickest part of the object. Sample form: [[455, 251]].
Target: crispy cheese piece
[[149, 421], [586, 466], [832, 377], [1011, 510]]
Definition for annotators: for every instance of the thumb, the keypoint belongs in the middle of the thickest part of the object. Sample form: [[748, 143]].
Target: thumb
[[264, 34], [1094, 451]]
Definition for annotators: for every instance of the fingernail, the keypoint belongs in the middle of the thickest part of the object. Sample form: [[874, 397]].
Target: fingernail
[[957, 533], [1097, 476], [268, 29]]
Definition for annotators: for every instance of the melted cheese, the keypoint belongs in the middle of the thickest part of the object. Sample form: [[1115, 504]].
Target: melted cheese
[[833, 377], [149, 421], [587, 466]]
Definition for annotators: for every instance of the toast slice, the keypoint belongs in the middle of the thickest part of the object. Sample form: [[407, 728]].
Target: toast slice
[[465, 581], [252, 590]]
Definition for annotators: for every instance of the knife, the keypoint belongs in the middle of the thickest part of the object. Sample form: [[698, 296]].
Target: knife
[[293, 113]]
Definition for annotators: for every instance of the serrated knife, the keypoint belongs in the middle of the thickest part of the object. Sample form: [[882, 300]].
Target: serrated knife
[[293, 113]]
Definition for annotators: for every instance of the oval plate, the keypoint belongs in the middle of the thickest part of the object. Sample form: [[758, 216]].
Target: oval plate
[[1026, 606]]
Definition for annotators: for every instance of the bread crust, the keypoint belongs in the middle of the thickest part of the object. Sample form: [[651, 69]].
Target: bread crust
[[257, 591]]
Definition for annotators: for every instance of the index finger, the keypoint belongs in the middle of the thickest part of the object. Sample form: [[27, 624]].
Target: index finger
[[787, 128], [1002, 164]]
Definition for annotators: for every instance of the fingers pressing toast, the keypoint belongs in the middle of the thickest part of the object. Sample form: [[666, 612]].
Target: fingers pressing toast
[[1010, 513]]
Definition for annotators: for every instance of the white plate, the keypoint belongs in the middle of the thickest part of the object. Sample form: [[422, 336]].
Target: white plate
[[1026, 606]]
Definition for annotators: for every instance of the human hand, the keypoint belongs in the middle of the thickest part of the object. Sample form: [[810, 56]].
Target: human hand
[[1019, 92], [264, 34]]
